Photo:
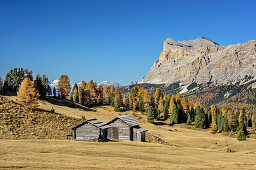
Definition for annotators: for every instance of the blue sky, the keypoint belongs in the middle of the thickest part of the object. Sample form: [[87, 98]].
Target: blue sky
[[111, 40]]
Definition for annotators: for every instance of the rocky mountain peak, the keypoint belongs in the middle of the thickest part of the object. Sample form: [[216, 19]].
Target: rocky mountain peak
[[203, 61]]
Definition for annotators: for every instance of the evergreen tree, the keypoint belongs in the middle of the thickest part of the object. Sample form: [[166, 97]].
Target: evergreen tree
[[74, 94], [46, 85], [209, 116], [27, 94], [49, 91], [166, 107], [241, 132], [13, 80], [141, 109], [112, 100], [54, 91], [40, 87], [189, 119], [150, 114], [225, 123], [182, 117], [174, 118], [200, 119], [220, 123]]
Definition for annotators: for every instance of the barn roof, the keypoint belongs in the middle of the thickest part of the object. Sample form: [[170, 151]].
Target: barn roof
[[128, 120], [140, 129], [94, 122]]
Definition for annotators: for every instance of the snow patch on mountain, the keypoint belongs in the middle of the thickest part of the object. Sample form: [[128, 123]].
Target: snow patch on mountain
[[108, 83]]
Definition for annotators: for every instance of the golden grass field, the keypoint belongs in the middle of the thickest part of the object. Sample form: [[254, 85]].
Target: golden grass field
[[188, 148]]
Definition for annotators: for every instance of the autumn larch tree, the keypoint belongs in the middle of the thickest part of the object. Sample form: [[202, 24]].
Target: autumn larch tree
[[254, 120], [172, 103], [29, 74], [135, 104], [214, 118], [118, 99], [242, 118], [27, 94], [161, 105], [63, 86], [106, 95], [147, 98], [100, 95], [157, 95], [93, 92]]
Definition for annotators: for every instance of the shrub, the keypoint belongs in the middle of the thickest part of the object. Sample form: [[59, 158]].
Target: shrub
[[83, 118], [241, 135], [52, 110]]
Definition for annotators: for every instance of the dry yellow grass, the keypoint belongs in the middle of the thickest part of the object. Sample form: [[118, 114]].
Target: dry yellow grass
[[60, 154], [189, 148]]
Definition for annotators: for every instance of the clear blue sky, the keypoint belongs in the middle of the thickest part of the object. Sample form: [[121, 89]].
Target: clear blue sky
[[111, 40]]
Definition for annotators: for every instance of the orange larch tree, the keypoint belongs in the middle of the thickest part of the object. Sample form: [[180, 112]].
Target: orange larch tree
[[27, 94]]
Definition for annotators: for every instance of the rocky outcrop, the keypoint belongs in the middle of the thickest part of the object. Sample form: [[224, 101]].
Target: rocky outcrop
[[203, 61]]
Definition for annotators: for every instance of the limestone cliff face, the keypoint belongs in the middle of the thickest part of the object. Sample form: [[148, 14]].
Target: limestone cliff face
[[202, 61]]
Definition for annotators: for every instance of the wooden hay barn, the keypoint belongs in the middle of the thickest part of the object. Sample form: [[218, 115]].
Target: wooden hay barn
[[123, 127], [91, 130]]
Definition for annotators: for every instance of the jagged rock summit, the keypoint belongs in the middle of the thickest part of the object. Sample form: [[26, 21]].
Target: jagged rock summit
[[203, 61]]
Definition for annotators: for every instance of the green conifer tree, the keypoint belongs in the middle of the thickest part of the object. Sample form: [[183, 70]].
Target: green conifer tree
[[200, 119], [150, 114], [174, 118]]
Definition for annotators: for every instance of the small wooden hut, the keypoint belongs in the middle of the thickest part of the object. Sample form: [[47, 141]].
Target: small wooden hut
[[123, 127], [91, 130]]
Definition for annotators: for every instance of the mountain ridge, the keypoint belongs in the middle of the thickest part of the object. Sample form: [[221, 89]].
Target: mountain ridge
[[202, 61]]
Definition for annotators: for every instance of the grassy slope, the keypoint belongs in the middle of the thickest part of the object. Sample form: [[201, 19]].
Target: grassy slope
[[189, 148]]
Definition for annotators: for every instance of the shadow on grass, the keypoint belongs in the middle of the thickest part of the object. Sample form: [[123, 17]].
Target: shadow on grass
[[65, 102], [160, 123]]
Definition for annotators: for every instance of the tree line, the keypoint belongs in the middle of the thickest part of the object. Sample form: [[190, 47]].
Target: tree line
[[157, 106]]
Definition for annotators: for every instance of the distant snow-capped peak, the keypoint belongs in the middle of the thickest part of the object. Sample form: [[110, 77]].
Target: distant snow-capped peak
[[54, 83], [108, 83]]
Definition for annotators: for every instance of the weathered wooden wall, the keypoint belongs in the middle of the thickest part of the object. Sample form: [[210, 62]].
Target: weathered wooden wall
[[138, 135], [119, 131], [87, 132]]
